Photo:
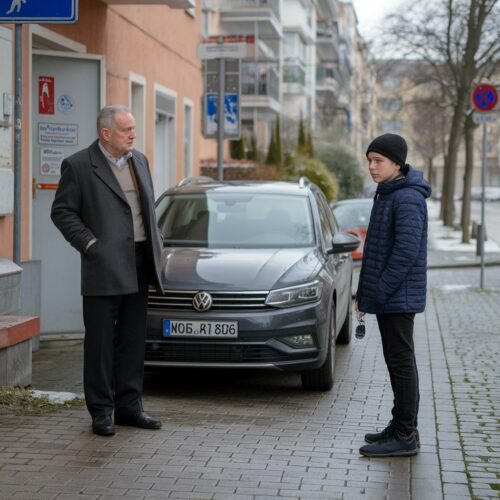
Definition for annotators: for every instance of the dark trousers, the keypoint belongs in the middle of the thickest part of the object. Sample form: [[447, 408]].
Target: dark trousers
[[115, 332], [396, 331]]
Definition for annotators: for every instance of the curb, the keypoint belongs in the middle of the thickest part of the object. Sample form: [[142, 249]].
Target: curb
[[454, 265]]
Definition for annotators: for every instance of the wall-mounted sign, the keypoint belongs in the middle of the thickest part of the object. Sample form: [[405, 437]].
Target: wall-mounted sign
[[65, 104], [50, 161], [58, 134], [46, 95]]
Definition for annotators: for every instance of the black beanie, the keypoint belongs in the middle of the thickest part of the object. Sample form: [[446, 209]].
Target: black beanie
[[391, 146]]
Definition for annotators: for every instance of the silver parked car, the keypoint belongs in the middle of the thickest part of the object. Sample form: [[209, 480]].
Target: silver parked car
[[257, 275]]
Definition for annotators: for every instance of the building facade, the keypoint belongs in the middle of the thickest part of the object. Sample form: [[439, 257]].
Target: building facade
[[139, 53]]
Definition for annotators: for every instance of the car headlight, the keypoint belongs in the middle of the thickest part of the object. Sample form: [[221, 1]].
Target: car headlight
[[295, 295]]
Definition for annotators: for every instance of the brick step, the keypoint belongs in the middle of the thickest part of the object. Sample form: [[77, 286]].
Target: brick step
[[16, 329], [16, 334]]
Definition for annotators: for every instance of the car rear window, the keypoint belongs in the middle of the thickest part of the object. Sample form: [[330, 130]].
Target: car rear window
[[240, 220], [353, 214]]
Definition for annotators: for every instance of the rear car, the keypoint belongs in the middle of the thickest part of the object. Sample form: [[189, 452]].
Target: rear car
[[256, 275], [353, 216]]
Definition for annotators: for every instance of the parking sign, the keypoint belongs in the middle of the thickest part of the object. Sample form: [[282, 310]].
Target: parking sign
[[231, 116]]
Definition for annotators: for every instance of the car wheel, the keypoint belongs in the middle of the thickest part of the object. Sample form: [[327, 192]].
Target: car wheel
[[321, 379], [345, 333]]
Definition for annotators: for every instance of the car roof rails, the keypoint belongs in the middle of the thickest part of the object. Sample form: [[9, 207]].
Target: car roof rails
[[194, 179], [304, 181]]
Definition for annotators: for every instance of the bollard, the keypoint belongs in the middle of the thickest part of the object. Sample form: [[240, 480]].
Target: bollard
[[480, 241]]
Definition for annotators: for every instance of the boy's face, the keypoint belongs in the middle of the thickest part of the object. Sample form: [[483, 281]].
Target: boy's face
[[381, 168]]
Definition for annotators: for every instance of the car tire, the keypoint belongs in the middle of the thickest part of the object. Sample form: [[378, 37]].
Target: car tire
[[345, 333], [321, 379]]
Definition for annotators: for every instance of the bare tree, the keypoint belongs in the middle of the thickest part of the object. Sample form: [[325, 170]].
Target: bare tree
[[460, 40], [428, 131]]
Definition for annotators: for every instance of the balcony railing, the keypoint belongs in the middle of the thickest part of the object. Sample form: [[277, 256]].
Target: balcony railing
[[294, 74], [260, 79], [253, 4]]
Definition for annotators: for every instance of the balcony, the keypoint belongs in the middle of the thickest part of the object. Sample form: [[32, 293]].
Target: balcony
[[260, 86], [326, 80], [293, 73], [239, 17], [173, 4], [327, 41]]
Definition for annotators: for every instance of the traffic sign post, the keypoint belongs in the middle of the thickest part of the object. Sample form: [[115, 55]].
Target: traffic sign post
[[21, 12], [484, 101], [221, 100]]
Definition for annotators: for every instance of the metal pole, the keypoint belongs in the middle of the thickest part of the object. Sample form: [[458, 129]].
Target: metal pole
[[18, 89], [483, 228], [220, 119]]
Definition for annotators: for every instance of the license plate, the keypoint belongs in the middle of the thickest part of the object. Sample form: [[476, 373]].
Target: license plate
[[219, 329]]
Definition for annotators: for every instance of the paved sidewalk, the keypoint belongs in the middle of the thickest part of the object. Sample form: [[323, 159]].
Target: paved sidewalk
[[252, 435]]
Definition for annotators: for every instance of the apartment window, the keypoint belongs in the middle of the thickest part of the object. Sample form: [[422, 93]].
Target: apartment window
[[188, 138], [391, 105], [137, 101], [391, 126], [294, 47], [391, 83], [205, 23]]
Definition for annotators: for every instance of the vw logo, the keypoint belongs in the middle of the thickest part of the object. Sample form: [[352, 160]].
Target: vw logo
[[202, 301]]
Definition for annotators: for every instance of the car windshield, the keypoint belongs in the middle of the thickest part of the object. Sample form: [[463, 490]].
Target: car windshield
[[353, 214], [235, 220]]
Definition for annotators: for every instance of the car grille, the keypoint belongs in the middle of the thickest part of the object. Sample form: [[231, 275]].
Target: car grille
[[221, 301], [215, 353]]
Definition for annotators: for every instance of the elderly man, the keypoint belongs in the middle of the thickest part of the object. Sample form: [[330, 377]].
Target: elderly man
[[104, 207]]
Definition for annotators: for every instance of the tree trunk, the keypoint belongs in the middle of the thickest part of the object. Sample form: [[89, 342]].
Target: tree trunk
[[469, 128], [448, 189]]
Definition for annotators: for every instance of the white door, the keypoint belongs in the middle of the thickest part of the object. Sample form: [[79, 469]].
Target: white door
[[67, 92]]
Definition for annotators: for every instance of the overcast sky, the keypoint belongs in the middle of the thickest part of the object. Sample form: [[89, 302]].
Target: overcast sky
[[371, 13]]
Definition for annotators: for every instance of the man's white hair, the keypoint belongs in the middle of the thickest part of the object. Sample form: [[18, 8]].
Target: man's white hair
[[106, 117]]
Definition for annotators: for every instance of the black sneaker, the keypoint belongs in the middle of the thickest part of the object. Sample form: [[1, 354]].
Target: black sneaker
[[377, 436], [391, 445]]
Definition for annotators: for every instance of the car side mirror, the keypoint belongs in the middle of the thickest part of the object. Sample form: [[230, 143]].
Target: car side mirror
[[343, 243]]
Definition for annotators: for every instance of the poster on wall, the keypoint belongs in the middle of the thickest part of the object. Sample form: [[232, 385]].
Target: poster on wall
[[50, 161], [58, 134], [46, 95]]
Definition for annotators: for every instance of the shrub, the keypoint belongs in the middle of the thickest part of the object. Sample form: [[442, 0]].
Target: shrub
[[315, 170], [346, 169]]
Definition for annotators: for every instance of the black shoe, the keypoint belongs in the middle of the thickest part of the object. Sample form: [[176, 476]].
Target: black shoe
[[103, 425], [140, 419], [377, 436], [391, 445]]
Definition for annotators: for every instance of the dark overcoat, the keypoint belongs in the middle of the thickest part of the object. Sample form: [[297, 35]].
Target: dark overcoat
[[89, 203]]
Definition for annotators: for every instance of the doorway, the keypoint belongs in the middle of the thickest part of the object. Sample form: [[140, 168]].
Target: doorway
[[67, 92]]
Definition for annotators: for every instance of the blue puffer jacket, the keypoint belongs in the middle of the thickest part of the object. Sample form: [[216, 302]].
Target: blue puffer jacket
[[393, 275]]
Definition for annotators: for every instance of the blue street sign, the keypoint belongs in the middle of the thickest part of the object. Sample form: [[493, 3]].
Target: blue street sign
[[231, 115], [38, 11]]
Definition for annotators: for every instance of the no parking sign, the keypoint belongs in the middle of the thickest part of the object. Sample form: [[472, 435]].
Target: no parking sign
[[484, 97]]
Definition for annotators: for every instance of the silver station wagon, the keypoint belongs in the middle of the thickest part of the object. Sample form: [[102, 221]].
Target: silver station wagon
[[257, 275]]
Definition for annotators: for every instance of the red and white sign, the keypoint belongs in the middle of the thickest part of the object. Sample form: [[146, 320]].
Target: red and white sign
[[46, 98]]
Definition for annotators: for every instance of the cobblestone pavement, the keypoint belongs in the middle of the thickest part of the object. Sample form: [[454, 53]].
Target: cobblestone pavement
[[462, 322], [255, 435]]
